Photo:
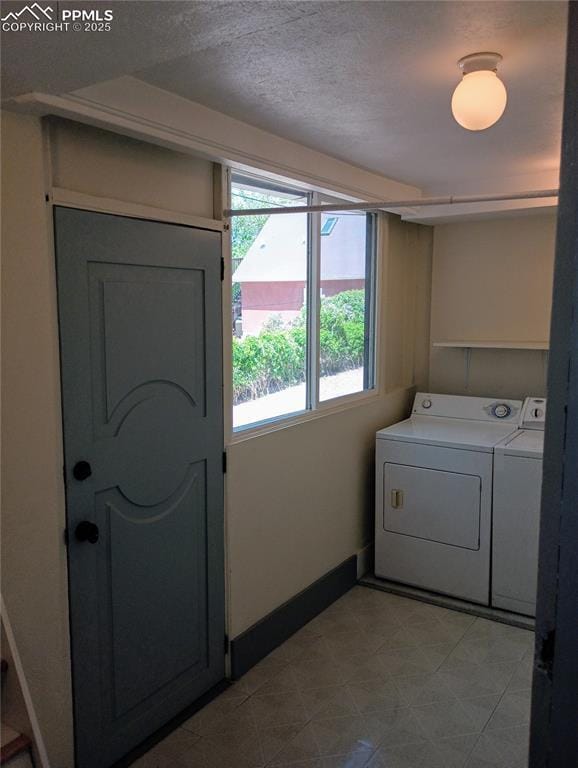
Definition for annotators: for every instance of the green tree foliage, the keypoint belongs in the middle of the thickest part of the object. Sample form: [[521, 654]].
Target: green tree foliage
[[275, 358], [245, 228]]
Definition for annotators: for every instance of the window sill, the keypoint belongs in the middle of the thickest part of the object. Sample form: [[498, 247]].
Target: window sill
[[327, 408]]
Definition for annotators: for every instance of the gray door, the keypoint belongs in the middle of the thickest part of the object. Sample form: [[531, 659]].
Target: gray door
[[140, 330]]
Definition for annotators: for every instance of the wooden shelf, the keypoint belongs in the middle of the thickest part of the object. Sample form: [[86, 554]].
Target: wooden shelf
[[540, 345]]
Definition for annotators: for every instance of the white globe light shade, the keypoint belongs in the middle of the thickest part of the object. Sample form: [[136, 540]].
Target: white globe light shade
[[479, 100]]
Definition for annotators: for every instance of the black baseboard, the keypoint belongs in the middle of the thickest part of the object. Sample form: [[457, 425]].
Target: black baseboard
[[264, 636]]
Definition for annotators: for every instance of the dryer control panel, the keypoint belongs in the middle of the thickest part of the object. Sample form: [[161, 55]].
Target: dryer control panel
[[465, 407], [533, 413]]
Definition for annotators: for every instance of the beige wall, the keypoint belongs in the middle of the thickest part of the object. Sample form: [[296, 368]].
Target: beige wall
[[299, 500], [33, 555], [104, 164], [492, 280]]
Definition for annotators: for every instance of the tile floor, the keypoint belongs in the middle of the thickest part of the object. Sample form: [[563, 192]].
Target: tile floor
[[375, 681]]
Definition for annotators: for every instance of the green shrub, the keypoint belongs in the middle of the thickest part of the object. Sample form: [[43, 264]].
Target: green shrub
[[275, 358]]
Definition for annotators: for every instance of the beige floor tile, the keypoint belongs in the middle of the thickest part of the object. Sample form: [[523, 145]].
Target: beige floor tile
[[432, 631], [375, 695], [523, 672], [332, 701], [172, 751], [488, 649], [352, 739], [312, 763], [360, 667], [444, 753], [274, 740], [423, 689], [336, 620], [413, 660], [317, 673], [455, 618], [377, 623], [342, 644], [357, 760], [259, 675], [237, 748], [302, 747], [513, 710], [455, 718], [506, 748], [396, 726], [376, 680], [272, 709], [221, 714], [468, 680], [346, 735], [281, 681], [397, 637], [363, 597]]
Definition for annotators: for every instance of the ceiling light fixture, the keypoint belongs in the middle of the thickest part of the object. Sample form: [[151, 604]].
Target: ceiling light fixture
[[480, 99]]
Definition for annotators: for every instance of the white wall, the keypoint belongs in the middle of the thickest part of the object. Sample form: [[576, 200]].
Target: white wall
[[298, 500], [492, 280]]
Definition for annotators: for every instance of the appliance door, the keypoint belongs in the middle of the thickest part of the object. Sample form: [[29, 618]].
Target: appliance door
[[516, 523], [433, 519], [421, 502]]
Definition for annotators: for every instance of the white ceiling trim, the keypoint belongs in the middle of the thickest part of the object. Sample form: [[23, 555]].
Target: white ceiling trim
[[134, 108]]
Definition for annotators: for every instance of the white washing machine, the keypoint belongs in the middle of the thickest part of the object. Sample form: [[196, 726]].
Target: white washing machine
[[516, 517], [434, 493]]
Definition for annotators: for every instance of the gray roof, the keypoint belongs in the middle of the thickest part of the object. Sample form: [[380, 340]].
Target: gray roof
[[279, 252]]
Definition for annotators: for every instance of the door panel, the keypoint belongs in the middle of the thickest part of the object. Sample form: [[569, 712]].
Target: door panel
[[140, 326], [422, 503]]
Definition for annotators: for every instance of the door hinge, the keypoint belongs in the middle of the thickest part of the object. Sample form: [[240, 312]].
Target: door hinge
[[226, 643], [546, 655], [222, 268], [66, 537], [224, 462]]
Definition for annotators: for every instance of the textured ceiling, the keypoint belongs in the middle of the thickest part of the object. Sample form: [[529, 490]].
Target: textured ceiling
[[368, 82]]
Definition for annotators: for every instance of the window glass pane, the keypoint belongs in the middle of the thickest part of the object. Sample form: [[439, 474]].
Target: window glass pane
[[345, 322], [269, 296]]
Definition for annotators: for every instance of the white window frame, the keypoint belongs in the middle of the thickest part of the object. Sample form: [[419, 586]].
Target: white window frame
[[315, 408]]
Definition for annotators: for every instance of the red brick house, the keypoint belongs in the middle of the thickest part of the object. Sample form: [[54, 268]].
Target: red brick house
[[273, 274]]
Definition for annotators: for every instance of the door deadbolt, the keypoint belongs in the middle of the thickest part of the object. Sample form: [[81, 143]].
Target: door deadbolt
[[81, 470], [87, 531]]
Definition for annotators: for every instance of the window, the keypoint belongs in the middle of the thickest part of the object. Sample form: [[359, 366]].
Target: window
[[345, 311], [302, 304], [328, 222]]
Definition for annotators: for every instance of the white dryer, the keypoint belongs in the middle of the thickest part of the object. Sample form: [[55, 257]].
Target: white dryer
[[516, 518], [434, 493]]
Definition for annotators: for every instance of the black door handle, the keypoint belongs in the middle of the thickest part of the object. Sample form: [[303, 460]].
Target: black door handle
[[87, 531], [81, 470]]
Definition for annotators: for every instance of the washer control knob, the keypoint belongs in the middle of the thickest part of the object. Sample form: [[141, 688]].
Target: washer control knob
[[501, 411], [426, 403]]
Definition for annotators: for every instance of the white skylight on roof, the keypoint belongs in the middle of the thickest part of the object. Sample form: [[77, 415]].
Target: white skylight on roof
[[328, 225]]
